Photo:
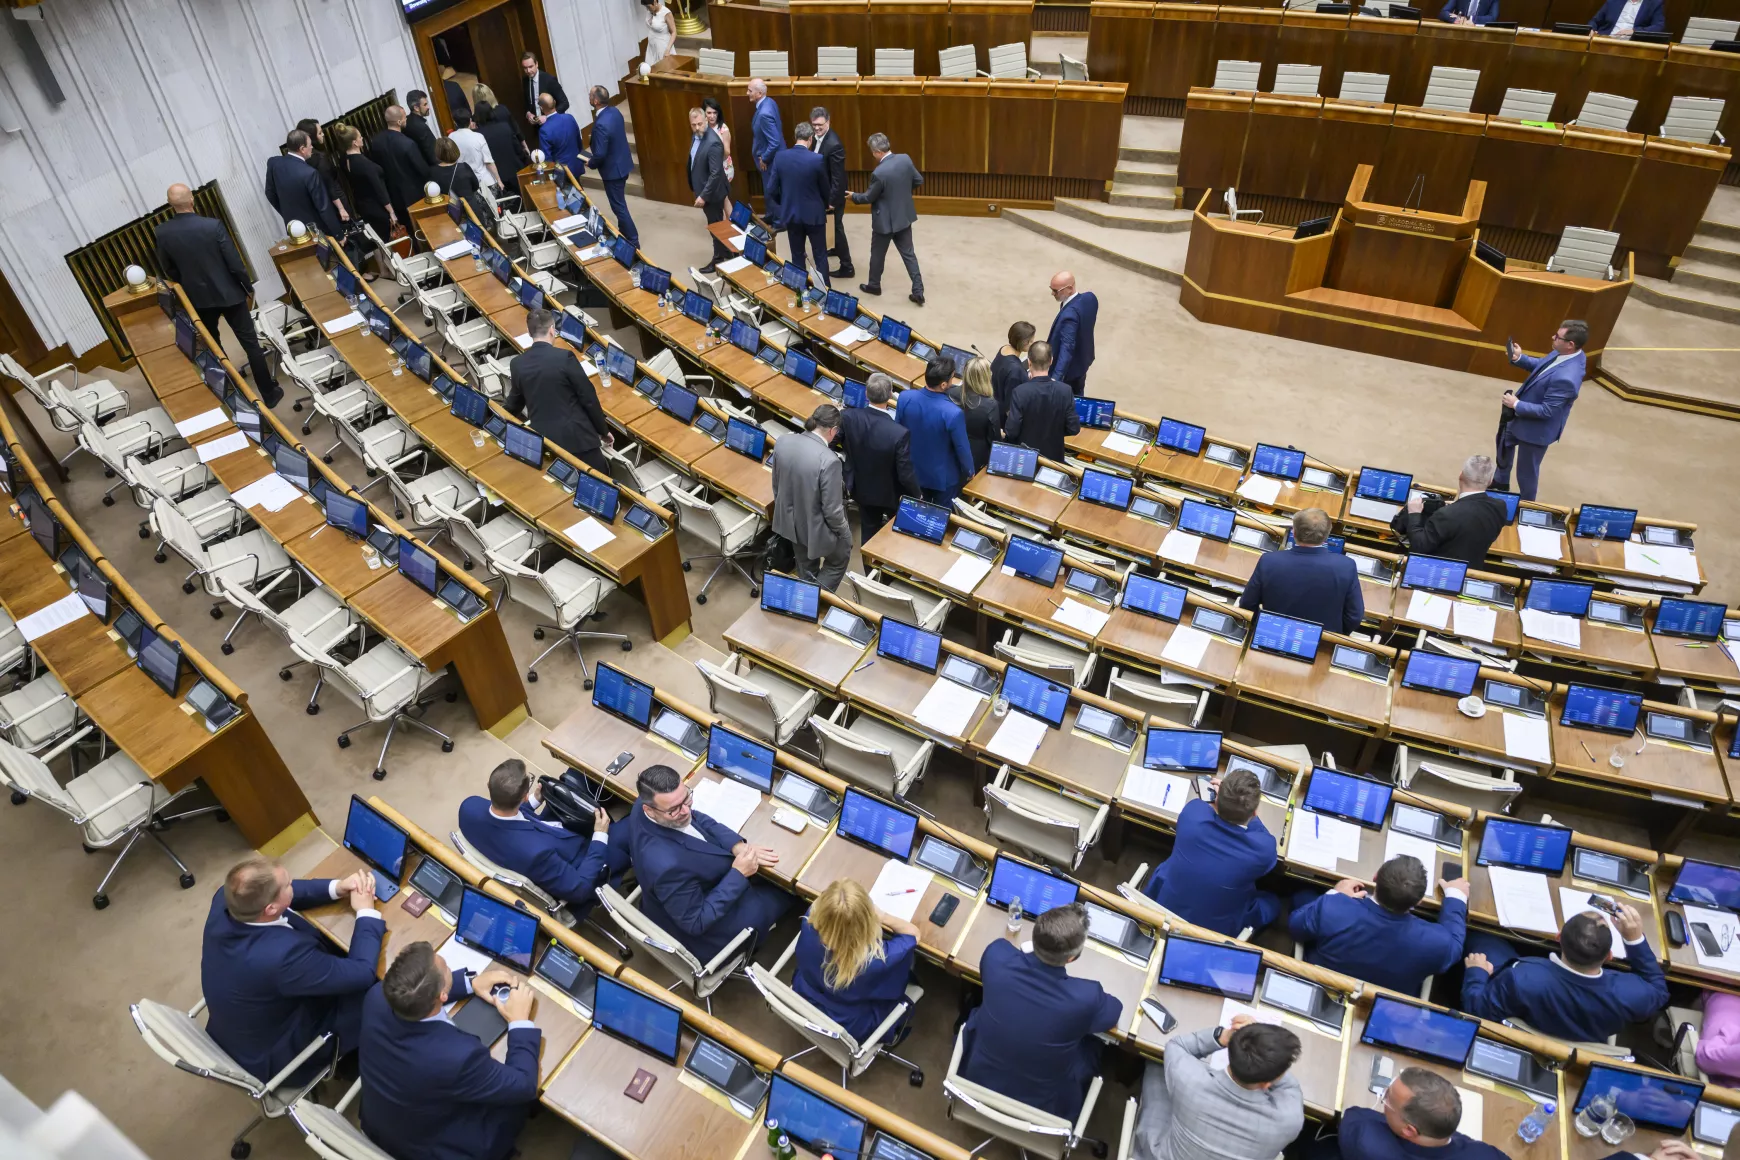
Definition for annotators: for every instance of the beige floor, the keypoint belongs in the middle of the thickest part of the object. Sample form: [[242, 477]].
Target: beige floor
[[74, 970]]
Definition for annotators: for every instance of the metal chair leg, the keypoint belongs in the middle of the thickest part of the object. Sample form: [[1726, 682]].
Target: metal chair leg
[[103, 886]]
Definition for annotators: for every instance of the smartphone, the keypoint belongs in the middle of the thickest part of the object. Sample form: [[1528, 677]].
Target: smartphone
[[1604, 904], [944, 909], [619, 764], [1706, 939], [1163, 1019], [1205, 789], [1450, 871]]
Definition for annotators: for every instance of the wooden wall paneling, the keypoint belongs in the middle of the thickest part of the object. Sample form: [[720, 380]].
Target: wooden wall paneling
[[1180, 52], [1215, 125], [1548, 61], [1476, 291], [1511, 159], [1311, 38], [1456, 46], [1118, 36], [1533, 13], [660, 111], [894, 106], [1375, 44], [1698, 72], [839, 95], [921, 25], [1280, 144], [1352, 134], [1438, 146], [1399, 266], [986, 24], [1026, 115], [957, 124], [1089, 119], [1310, 262], [1670, 173], [1586, 181], [815, 23], [1247, 34], [743, 27], [1624, 69], [792, 108]]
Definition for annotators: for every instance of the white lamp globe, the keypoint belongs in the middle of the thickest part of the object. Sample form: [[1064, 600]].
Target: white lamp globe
[[135, 275], [433, 190], [298, 229]]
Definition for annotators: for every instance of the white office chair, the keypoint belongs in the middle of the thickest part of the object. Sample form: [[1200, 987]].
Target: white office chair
[[1184, 706], [313, 370], [567, 592], [1527, 105], [1297, 80], [414, 497], [99, 398], [1009, 62], [824, 1033], [411, 273], [888, 596], [1605, 111], [1131, 891], [174, 1037], [1237, 75], [1694, 119], [143, 433], [353, 410], [960, 60], [517, 883], [894, 62], [177, 472], [1071, 68], [717, 62], [1450, 89], [1034, 1131], [1052, 824], [836, 61], [286, 319], [1678, 1029], [251, 559], [769, 63], [645, 934], [385, 682], [1703, 31], [321, 618], [650, 475], [1233, 212], [870, 752], [480, 536], [329, 1134], [762, 701], [1585, 252], [1038, 653], [1365, 86], [1450, 779], [730, 529], [14, 651], [37, 714]]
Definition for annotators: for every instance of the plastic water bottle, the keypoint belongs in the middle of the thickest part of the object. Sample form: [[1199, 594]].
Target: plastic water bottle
[[1534, 1125], [1013, 923], [477, 257]]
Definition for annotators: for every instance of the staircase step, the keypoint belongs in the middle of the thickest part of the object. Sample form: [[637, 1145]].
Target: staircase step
[[1687, 299], [1143, 197], [1158, 256], [1714, 249], [1156, 220], [1150, 139], [1713, 277], [1135, 172]]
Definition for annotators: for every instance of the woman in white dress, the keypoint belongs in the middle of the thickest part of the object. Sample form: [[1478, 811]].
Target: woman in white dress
[[659, 31]]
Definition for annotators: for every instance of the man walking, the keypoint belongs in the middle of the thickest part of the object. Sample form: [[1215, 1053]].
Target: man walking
[[889, 196], [417, 124], [767, 129], [295, 189], [611, 160], [798, 183], [833, 151], [878, 457], [707, 179], [1534, 414], [401, 162], [809, 499]]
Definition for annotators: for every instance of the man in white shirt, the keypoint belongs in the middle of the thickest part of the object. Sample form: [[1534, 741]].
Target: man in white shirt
[[508, 829], [1622, 19], [474, 151]]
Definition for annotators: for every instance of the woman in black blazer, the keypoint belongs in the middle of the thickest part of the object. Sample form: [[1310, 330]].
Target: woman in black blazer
[[367, 185], [455, 176], [979, 406], [321, 160]]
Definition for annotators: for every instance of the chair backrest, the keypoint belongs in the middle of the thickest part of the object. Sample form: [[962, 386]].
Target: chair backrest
[[178, 531], [1297, 80], [1008, 60], [1023, 1125], [1451, 89], [1584, 251], [1364, 86], [506, 877], [1693, 119], [665, 365], [330, 1135], [696, 517], [855, 759], [736, 699], [1526, 105], [1071, 68], [646, 934], [805, 1017], [769, 62], [883, 600], [960, 60], [1238, 75], [1153, 699], [1703, 31], [834, 60], [175, 1038], [1055, 838], [894, 62], [1058, 670], [1606, 111], [28, 774], [13, 369]]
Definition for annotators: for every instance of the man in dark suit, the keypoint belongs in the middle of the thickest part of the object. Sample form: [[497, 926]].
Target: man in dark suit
[[431, 1091], [833, 151], [538, 83], [550, 383], [200, 254], [1072, 332], [401, 162], [296, 190], [1222, 848], [1469, 11], [458, 104], [1374, 934], [506, 148], [1033, 1037], [1463, 529], [707, 179], [610, 158], [417, 124], [697, 876], [1534, 414], [1418, 1117], [1042, 409], [1308, 581], [507, 828], [271, 981], [1621, 18], [767, 131], [878, 457], [797, 182], [889, 196], [559, 136]]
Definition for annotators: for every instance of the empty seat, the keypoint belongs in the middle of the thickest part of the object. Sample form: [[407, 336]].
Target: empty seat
[[1238, 75], [887, 596], [871, 752], [1297, 80], [1693, 119], [1009, 62], [834, 60], [1071, 68], [1451, 89], [1182, 706], [1703, 31], [1066, 664], [1605, 111], [1364, 86], [1452, 780], [767, 704], [1527, 105], [959, 61], [1585, 252], [769, 63], [1050, 823], [717, 62], [894, 62]]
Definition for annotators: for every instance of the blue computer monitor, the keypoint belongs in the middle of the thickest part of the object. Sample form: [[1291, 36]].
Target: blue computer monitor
[[1605, 523], [1177, 435], [878, 824], [1154, 598], [1287, 636], [346, 513], [1698, 619], [1603, 710], [1511, 501], [697, 306], [497, 929], [790, 597], [896, 334], [1282, 462], [1707, 884], [678, 402], [470, 405], [740, 214], [840, 305], [571, 329], [926, 521], [1094, 412], [755, 250], [292, 465], [1524, 845], [909, 644], [1013, 461], [1037, 890], [616, 692], [1033, 560], [216, 378], [1197, 750], [1565, 597], [1035, 695], [370, 836], [801, 367], [854, 394], [419, 565], [345, 282], [1420, 1030], [1106, 489], [818, 1124], [597, 496], [1361, 800], [501, 266], [745, 337], [623, 251], [619, 363], [1666, 1103], [1436, 673], [746, 439], [1206, 519], [740, 759], [1434, 574], [642, 1020], [654, 280], [418, 361], [1389, 486], [523, 444], [1218, 968], [529, 293], [160, 659], [793, 277]]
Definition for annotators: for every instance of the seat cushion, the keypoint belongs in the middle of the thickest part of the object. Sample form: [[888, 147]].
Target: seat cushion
[[104, 781], [171, 475], [43, 728], [508, 533], [312, 617], [1052, 803], [374, 667], [232, 557], [101, 398], [566, 578]]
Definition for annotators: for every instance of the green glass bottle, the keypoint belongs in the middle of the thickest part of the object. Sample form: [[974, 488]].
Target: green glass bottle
[[772, 1133], [784, 1150]]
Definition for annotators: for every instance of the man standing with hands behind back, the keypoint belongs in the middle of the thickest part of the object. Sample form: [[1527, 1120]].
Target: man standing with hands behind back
[[833, 151], [768, 132], [889, 195], [1072, 332], [1534, 414], [707, 179], [809, 499]]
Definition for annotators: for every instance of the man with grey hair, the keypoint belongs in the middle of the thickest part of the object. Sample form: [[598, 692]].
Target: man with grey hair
[[809, 499], [766, 128], [1418, 1117], [1463, 529], [878, 457], [1308, 580], [890, 198]]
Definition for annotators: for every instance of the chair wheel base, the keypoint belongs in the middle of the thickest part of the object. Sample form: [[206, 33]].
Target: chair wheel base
[[701, 599], [88, 848], [108, 473], [100, 901], [144, 532], [1101, 1148], [532, 676], [187, 882], [916, 1077], [537, 634], [226, 648], [754, 592], [628, 646], [283, 674], [159, 557], [307, 428], [220, 815], [586, 684], [188, 588], [19, 799], [293, 407], [217, 613], [447, 747], [108, 501], [379, 775], [452, 697], [312, 710], [343, 741], [327, 459], [372, 472], [241, 1148], [687, 567]]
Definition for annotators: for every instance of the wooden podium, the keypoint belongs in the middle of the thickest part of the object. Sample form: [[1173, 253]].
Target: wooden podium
[[1389, 280]]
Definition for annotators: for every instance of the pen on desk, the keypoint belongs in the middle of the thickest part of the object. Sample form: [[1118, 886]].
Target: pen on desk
[[1316, 825], [1165, 795], [317, 531], [898, 893], [865, 665], [1586, 752], [1650, 558]]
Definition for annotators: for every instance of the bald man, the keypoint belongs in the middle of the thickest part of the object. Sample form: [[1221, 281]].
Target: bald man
[[1072, 332], [199, 253], [401, 162], [559, 136]]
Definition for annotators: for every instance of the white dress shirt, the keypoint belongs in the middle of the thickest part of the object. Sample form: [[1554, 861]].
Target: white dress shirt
[[332, 887], [1627, 22], [474, 151]]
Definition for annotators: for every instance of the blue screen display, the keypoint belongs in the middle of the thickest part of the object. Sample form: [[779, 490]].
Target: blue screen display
[[654, 280], [1358, 799], [1104, 488], [418, 565], [896, 334], [820, 1125], [801, 367], [619, 363], [1524, 845], [696, 306], [740, 214], [1511, 501], [1389, 486], [789, 596], [377, 840], [1587, 707], [1154, 597], [1420, 1030], [793, 276], [623, 252], [1013, 461], [882, 825], [1436, 673], [531, 294], [654, 1025], [1605, 523], [1695, 618], [746, 439], [1286, 636], [1565, 597], [1707, 884], [678, 402], [1267, 459], [1434, 574], [756, 251], [594, 495], [854, 394], [927, 521], [1193, 749], [745, 337], [1654, 1101], [1179, 436], [738, 757], [1094, 412], [840, 305], [620, 693], [470, 405], [524, 444], [909, 645], [1207, 966], [341, 277], [1032, 560], [1206, 519], [1035, 695], [352, 515], [497, 929], [1037, 890]]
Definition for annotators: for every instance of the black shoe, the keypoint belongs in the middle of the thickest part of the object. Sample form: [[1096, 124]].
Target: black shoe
[[272, 398], [842, 272], [917, 298], [866, 288], [708, 268]]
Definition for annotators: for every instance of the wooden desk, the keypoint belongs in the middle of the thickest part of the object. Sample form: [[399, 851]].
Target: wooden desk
[[1599, 644], [922, 562], [1141, 640], [1664, 770], [1435, 719], [1682, 962], [336, 561], [1030, 503], [337, 921], [1604, 562], [1372, 843], [1120, 533], [1090, 444], [409, 397], [813, 654], [1271, 811], [1197, 473], [1506, 631], [1700, 662], [836, 858], [1067, 756], [1222, 560], [1022, 602], [745, 480], [1319, 690], [589, 739], [893, 690], [1482, 909]]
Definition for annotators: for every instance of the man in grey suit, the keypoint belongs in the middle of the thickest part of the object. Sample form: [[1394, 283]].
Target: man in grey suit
[[809, 499], [891, 214], [707, 179]]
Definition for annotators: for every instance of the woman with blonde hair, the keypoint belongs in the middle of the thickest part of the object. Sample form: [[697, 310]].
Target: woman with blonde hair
[[978, 403], [846, 965]]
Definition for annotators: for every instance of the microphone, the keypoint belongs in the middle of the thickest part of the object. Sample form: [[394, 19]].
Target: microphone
[[1419, 189]]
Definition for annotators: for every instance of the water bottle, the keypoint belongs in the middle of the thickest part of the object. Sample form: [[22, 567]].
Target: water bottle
[[477, 257], [1534, 1125], [1013, 922]]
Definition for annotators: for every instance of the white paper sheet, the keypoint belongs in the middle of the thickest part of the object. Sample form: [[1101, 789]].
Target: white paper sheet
[[590, 534], [1666, 560], [343, 323], [204, 421], [1527, 738], [1573, 902], [1018, 738], [590, 253], [948, 708], [1263, 489], [1429, 608], [457, 955], [1232, 1007], [1157, 789], [461, 247], [1721, 923], [1081, 616], [1476, 621], [1522, 900], [1552, 627], [732, 265], [1186, 646], [730, 803], [966, 572], [1322, 841], [1541, 543], [272, 492], [849, 335], [523, 341], [222, 446], [1180, 547], [899, 888], [57, 615], [1397, 843], [1473, 1112], [565, 225], [1122, 444]]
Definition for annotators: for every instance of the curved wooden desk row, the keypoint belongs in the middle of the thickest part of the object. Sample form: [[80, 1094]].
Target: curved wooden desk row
[[629, 558], [238, 762], [980, 143], [924, 26]]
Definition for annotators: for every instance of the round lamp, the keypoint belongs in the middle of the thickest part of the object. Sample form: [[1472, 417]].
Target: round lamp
[[433, 191], [136, 280], [298, 230]]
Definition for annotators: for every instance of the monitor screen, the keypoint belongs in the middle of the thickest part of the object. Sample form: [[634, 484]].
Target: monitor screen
[[470, 405], [801, 367], [927, 521], [1605, 523], [1565, 597], [623, 251], [697, 307], [345, 281], [216, 378], [1206, 519], [1437, 673], [746, 439], [1104, 488], [418, 360], [1012, 460], [292, 465], [1154, 597], [1699, 619], [1286, 636], [1524, 845], [497, 929], [1606, 710], [745, 337], [740, 214], [654, 280], [1032, 560], [840, 305], [756, 251], [909, 644], [818, 1124], [379, 842], [854, 394], [619, 363], [1707, 884], [94, 590], [419, 565], [1389, 486], [43, 526], [888, 828], [1210, 966], [1175, 435], [597, 496], [347, 513], [638, 1018], [1284, 462], [959, 357], [621, 694], [1035, 695], [160, 659], [523, 444], [1344, 795], [790, 597], [1192, 749], [678, 402], [1652, 1101], [1511, 501], [740, 758], [244, 415], [1434, 574], [896, 334], [1094, 412], [1036, 890], [1420, 1030]]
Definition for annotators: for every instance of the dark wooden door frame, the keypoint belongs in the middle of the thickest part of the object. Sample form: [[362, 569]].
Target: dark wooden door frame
[[425, 32]]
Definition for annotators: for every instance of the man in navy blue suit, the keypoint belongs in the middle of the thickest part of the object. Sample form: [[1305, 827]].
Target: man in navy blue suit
[[1418, 1117], [1308, 581], [797, 182], [697, 876], [508, 830], [1534, 414], [611, 160], [431, 1091], [271, 981], [559, 137], [1621, 18], [767, 133], [1469, 11], [295, 189], [1220, 851], [1032, 1039], [1072, 332], [1374, 934]]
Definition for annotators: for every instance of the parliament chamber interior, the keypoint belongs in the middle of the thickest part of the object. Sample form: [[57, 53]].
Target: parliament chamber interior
[[317, 632]]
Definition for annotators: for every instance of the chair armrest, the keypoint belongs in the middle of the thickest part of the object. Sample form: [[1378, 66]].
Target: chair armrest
[[302, 1057], [730, 948], [371, 693], [350, 1096], [40, 709], [1126, 1135], [1087, 1108], [81, 734], [336, 610], [870, 1045], [1095, 827], [785, 957], [114, 801]]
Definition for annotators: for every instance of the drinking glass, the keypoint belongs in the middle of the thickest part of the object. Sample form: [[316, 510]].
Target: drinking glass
[[1618, 1128], [1593, 1115]]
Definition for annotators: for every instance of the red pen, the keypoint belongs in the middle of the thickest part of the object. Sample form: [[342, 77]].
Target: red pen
[[898, 893]]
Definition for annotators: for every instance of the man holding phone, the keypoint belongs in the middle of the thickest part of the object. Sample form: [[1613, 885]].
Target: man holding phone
[[1374, 934], [1534, 414]]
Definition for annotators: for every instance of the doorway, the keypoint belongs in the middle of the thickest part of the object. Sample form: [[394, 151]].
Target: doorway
[[481, 42]]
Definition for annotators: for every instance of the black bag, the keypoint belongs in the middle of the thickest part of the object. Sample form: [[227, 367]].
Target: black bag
[[570, 800], [781, 555]]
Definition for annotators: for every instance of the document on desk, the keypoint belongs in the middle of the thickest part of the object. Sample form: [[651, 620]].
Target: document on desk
[[850, 335], [222, 446], [1552, 627], [1527, 738], [1122, 444], [1541, 543], [565, 225], [590, 253], [1263, 489], [1018, 738], [57, 615], [1180, 547], [523, 341], [1473, 1112], [1164, 792], [272, 492], [1726, 927], [462, 247], [730, 803], [948, 708], [204, 421], [1665, 560], [1475, 621], [1080, 616], [343, 323], [1429, 608], [1573, 902], [1522, 900], [1426, 852], [900, 888], [590, 534], [965, 573], [1231, 1009], [1322, 841], [732, 265], [1186, 646], [458, 955]]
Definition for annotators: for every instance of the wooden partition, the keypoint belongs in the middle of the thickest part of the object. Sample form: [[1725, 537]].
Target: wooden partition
[[925, 26]]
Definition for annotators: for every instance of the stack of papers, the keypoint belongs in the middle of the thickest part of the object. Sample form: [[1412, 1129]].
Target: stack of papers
[[1522, 901], [1186, 646], [1232, 1007], [1427, 853], [1122, 444], [590, 253], [900, 888], [1552, 627], [1672, 562], [57, 615], [1429, 608], [732, 265], [965, 573], [1723, 925], [204, 421], [1527, 738], [590, 534], [523, 341], [1157, 789], [948, 708], [1473, 1112], [1018, 738], [565, 225], [220, 447], [1322, 841], [730, 803], [460, 248], [343, 323], [1180, 547], [1263, 489], [1476, 621], [1080, 616], [850, 335], [1573, 902], [1543, 543], [272, 492], [458, 956]]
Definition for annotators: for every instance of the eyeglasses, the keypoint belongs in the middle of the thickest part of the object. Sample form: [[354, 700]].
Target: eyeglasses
[[673, 811]]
